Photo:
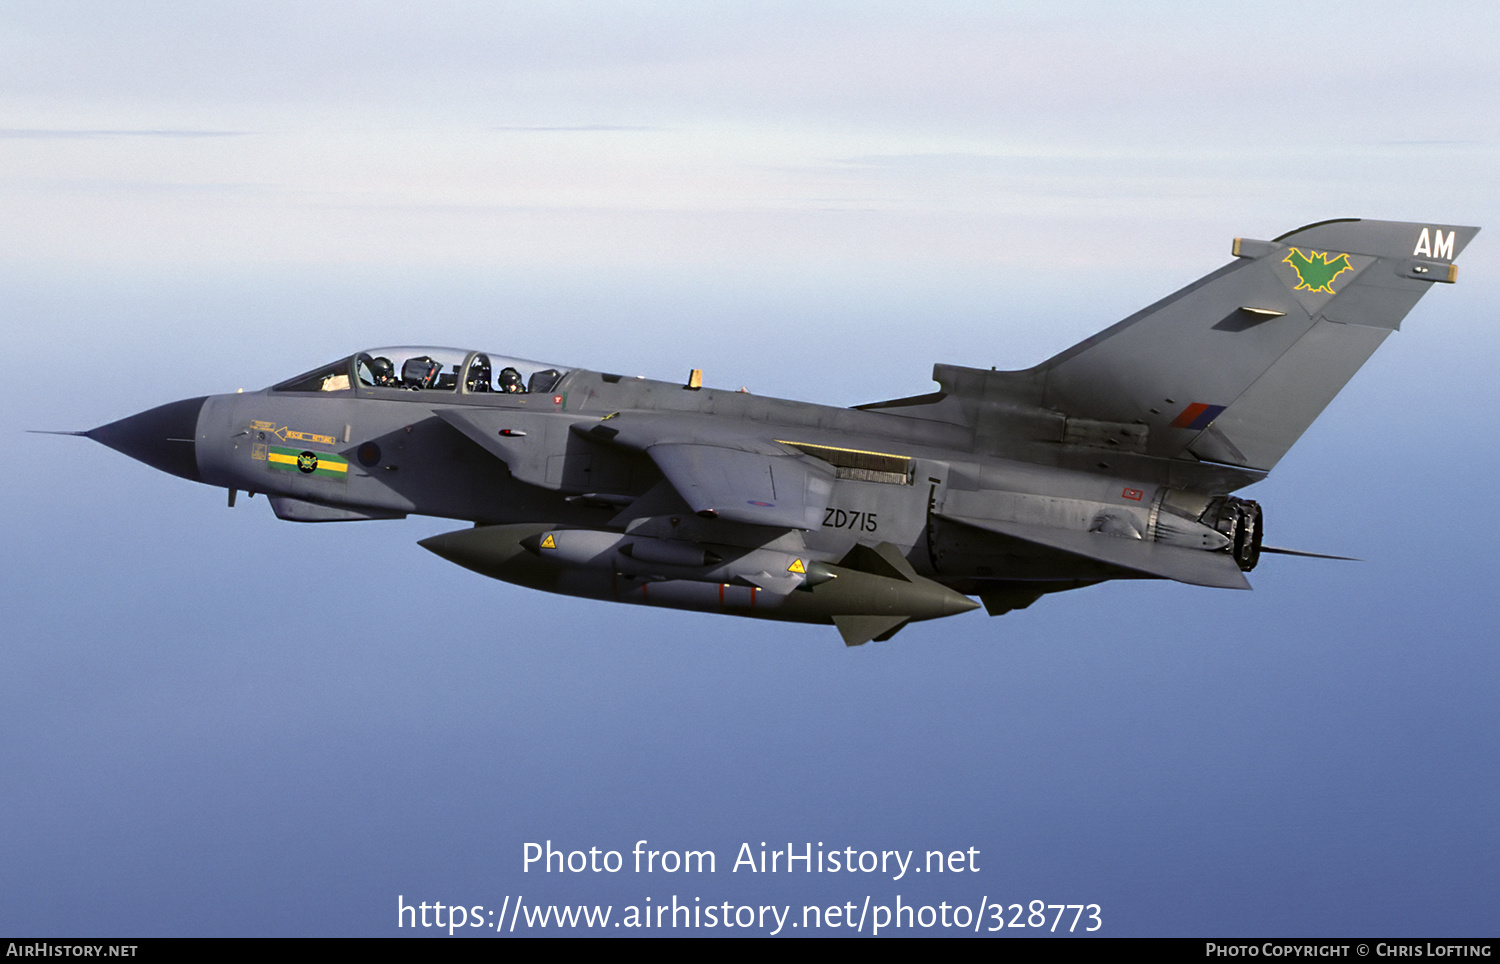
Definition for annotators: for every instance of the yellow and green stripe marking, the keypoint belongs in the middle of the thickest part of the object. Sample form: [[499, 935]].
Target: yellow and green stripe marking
[[305, 462]]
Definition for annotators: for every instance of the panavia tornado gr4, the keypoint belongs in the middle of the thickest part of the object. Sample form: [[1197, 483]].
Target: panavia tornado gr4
[[1112, 460]]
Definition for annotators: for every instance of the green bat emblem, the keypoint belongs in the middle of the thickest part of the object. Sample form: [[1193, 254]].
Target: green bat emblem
[[1315, 272]]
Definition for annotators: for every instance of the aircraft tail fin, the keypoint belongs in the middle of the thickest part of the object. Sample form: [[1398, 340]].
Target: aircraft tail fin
[[1235, 367]]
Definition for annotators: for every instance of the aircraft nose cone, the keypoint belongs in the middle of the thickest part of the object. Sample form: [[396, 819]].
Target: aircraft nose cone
[[163, 437]]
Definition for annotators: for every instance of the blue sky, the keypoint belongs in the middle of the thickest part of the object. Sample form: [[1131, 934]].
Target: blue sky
[[215, 723]]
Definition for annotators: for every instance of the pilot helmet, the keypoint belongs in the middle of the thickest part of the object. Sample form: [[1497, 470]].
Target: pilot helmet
[[479, 374], [383, 370]]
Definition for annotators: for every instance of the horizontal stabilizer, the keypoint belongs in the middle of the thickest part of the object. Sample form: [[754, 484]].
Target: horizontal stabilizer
[[1307, 555], [1197, 567]]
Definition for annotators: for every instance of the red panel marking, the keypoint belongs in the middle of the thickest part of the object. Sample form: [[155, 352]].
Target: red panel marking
[[1189, 415], [1133, 494]]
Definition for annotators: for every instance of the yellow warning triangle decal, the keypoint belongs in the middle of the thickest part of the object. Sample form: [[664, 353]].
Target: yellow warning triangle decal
[[548, 542], [796, 566]]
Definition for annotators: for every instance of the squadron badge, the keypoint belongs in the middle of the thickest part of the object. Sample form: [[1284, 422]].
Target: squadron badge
[[1315, 272]]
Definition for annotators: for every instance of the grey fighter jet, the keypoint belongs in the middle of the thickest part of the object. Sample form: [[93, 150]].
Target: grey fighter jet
[[1112, 460]]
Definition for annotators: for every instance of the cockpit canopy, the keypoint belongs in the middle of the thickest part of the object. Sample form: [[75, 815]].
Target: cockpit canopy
[[418, 369]]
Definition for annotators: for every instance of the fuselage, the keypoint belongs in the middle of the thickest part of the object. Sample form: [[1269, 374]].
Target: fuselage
[[1115, 459], [559, 474]]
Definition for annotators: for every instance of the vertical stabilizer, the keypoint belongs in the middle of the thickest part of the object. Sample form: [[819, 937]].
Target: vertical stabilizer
[[1235, 367]]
